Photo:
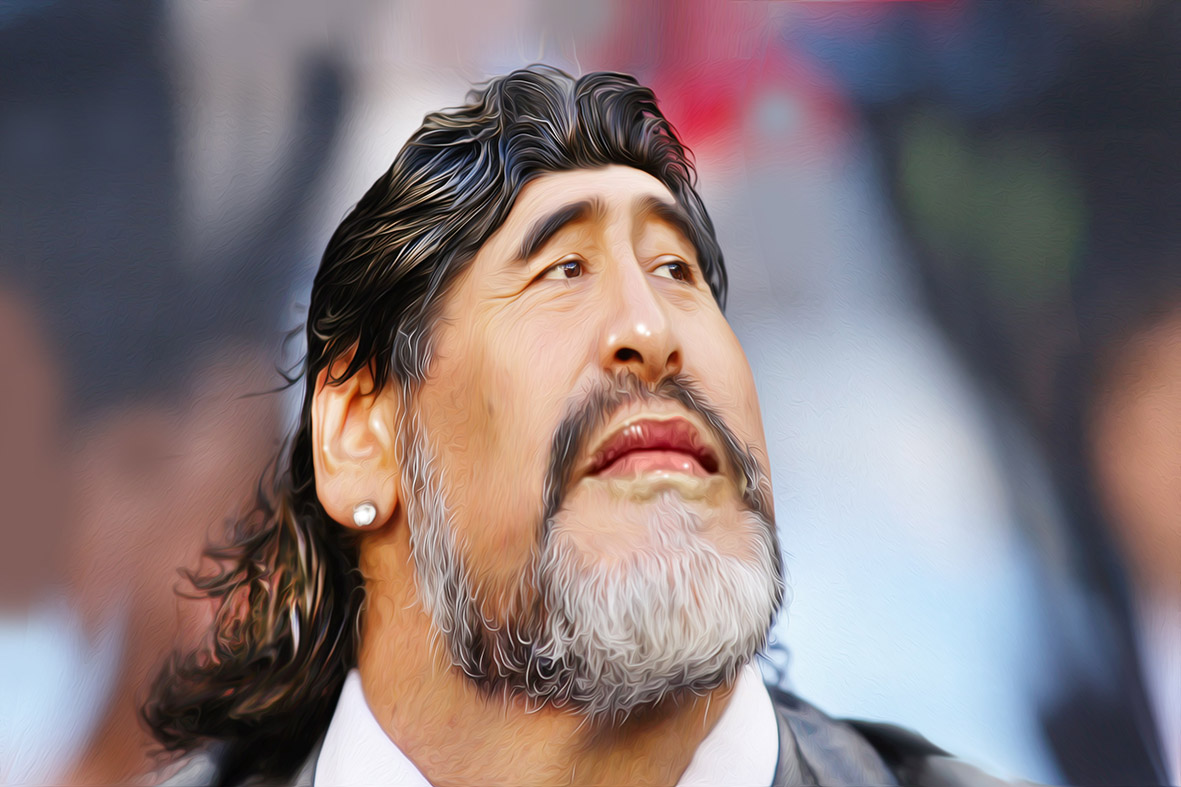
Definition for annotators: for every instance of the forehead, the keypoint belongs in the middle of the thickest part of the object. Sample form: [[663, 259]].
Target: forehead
[[613, 184], [621, 191]]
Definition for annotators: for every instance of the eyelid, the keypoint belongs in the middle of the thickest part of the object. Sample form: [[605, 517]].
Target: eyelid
[[545, 273], [691, 273]]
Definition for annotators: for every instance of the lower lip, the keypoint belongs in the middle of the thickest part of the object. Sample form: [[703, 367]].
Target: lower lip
[[659, 461]]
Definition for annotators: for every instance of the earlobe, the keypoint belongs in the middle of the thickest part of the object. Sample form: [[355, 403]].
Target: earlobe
[[354, 449]]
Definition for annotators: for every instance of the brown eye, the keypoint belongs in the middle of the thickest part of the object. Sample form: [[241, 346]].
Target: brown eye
[[566, 269], [675, 270]]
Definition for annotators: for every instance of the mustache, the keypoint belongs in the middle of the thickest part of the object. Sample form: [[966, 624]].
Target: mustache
[[595, 408]]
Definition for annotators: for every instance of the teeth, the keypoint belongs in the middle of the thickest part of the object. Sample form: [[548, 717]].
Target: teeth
[[644, 487]]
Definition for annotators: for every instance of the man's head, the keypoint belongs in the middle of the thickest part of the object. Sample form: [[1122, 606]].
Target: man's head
[[516, 348]]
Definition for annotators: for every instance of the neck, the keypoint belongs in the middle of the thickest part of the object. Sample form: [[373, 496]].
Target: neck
[[455, 733]]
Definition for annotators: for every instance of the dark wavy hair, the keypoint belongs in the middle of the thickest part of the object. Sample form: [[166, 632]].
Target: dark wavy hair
[[261, 690]]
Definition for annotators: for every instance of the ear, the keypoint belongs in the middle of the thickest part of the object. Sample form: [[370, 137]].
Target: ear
[[354, 446]]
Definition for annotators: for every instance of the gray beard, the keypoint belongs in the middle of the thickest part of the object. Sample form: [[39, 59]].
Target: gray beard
[[602, 640]]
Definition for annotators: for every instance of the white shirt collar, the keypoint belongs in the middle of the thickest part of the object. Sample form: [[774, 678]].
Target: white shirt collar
[[742, 748]]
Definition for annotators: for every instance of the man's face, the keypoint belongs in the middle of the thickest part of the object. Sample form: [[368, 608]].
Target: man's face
[[591, 416]]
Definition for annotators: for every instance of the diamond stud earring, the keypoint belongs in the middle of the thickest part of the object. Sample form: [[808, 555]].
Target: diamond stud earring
[[364, 513]]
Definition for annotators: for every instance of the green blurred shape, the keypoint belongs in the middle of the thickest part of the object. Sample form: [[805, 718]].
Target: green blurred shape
[[1007, 203]]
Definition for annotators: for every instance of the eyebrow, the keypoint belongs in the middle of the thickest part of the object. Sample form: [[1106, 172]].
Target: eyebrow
[[670, 213], [548, 226]]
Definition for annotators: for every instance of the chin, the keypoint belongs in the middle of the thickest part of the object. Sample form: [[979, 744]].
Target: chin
[[680, 600]]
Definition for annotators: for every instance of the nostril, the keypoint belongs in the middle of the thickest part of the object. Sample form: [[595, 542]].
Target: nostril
[[626, 355]]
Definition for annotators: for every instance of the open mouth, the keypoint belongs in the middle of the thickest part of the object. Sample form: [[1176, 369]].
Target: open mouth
[[655, 445]]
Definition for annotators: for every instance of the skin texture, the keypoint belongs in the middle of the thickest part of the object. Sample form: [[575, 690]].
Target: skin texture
[[615, 291]]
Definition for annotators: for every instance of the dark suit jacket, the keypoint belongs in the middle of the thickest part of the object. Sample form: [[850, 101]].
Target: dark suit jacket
[[1105, 739], [814, 749]]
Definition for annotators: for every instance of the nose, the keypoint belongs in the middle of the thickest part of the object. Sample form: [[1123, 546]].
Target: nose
[[638, 336]]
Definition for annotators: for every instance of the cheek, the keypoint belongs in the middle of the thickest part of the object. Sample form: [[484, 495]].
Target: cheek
[[535, 366], [725, 375], [492, 404]]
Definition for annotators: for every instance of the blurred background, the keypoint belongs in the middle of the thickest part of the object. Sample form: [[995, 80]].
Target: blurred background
[[951, 235]]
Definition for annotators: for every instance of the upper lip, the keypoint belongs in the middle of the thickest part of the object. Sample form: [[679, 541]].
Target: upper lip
[[654, 433]]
